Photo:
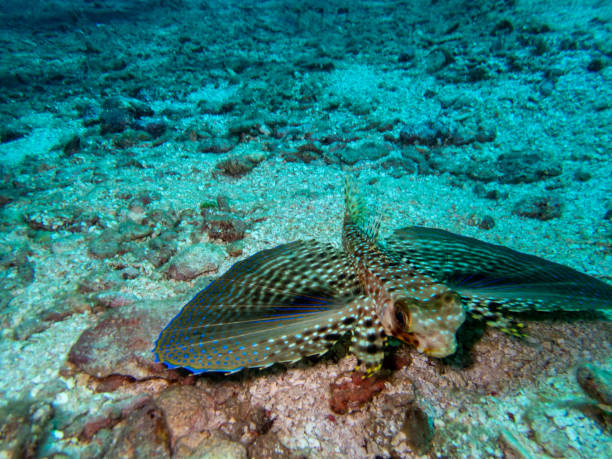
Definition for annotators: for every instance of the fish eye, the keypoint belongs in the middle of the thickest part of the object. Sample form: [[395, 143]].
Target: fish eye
[[400, 316]]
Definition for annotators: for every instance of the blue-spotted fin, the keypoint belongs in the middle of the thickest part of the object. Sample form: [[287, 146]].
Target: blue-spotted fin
[[278, 305], [495, 280]]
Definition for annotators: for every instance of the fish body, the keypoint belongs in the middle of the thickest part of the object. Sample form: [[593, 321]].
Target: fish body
[[298, 299], [408, 304]]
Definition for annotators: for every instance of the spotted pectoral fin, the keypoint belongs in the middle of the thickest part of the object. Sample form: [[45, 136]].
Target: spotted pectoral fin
[[276, 306], [275, 334], [489, 272]]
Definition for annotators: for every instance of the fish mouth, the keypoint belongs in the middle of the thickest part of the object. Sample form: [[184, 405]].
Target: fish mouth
[[439, 353], [438, 345]]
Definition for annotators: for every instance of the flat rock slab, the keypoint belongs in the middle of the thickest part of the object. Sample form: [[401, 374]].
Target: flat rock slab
[[122, 340]]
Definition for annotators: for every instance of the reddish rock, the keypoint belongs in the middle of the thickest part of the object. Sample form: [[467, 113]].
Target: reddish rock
[[269, 446], [122, 340], [112, 415], [143, 434], [194, 261], [224, 227], [24, 426], [187, 410], [348, 393]]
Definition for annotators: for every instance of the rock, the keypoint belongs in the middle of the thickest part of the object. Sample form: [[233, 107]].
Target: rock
[[162, 248], [238, 166], [24, 425], [99, 280], [525, 168], [216, 145], [186, 409], [114, 120], [106, 245], [268, 446], [418, 429], [120, 342], [70, 218], [143, 434], [348, 393], [596, 383], [215, 446], [369, 151], [429, 133], [539, 207], [195, 260], [224, 227]]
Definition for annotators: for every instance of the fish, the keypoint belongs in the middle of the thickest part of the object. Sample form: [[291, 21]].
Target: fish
[[419, 285]]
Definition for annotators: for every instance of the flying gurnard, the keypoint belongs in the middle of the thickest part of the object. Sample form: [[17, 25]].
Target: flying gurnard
[[418, 286]]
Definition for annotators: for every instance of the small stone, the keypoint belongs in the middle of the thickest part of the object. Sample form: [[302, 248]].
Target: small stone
[[596, 383], [216, 145], [418, 429], [595, 65], [186, 409], [538, 207], [162, 248], [348, 393], [238, 166], [144, 433], [25, 424], [224, 227], [582, 176], [106, 245], [120, 342], [114, 120], [98, 280], [194, 261]]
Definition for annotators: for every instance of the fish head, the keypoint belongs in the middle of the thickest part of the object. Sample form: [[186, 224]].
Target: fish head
[[429, 325]]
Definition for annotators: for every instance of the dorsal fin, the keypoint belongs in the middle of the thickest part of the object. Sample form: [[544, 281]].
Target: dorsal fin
[[356, 211]]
